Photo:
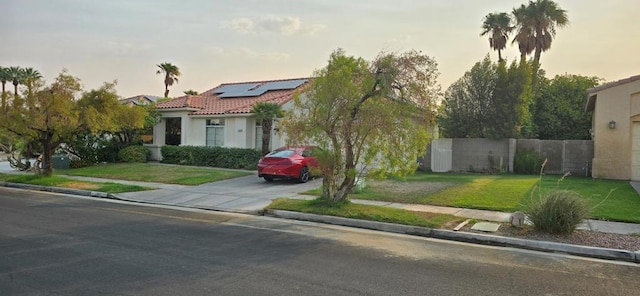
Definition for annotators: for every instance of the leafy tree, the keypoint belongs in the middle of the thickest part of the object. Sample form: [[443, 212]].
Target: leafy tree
[[47, 118], [52, 115], [511, 100], [536, 27], [265, 113], [489, 101], [497, 26], [191, 92], [361, 112], [171, 74], [559, 111], [467, 103]]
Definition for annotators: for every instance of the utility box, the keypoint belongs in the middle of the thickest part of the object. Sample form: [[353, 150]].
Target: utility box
[[61, 161]]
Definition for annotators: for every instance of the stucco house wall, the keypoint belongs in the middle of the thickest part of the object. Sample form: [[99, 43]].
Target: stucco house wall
[[240, 128], [615, 127]]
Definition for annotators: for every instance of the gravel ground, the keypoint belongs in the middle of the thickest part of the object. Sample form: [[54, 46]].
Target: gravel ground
[[578, 237]]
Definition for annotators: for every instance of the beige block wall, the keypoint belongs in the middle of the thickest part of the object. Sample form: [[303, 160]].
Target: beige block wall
[[612, 147]]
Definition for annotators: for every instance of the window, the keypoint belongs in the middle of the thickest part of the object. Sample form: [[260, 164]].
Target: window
[[173, 131], [215, 132], [308, 152], [282, 153], [258, 140]]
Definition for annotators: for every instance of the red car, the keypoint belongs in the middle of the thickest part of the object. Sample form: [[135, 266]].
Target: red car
[[288, 163]]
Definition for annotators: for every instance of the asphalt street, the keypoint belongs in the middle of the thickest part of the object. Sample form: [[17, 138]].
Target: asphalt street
[[53, 244]]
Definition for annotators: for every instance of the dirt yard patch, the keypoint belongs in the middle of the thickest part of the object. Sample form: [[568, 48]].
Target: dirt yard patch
[[408, 188], [82, 185]]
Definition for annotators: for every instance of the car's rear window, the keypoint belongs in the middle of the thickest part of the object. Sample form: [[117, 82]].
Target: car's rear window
[[281, 153]]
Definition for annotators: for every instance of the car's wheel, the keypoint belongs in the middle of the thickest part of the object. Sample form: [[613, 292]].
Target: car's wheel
[[304, 175], [268, 178]]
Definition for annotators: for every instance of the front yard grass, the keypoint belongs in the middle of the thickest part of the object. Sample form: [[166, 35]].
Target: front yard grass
[[151, 172], [505, 193], [365, 212], [58, 181]]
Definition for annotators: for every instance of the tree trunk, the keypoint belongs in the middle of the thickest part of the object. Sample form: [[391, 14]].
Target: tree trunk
[[4, 99], [499, 56], [349, 180], [345, 188], [47, 156], [166, 91], [328, 188], [266, 135]]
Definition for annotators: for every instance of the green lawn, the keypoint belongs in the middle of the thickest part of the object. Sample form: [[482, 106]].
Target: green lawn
[[151, 172], [57, 181], [365, 212], [505, 192]]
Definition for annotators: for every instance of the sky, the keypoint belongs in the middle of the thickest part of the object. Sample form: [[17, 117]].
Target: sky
[[224, 41]]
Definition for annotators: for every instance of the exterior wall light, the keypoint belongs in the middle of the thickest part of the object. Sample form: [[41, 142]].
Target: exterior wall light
[[612, 124]]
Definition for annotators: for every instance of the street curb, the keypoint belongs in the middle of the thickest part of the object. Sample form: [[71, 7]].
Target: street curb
[[492, 240], [57, 189]]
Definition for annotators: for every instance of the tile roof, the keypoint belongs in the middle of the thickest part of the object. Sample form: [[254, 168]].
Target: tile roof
[[209, 102], [612, 84]]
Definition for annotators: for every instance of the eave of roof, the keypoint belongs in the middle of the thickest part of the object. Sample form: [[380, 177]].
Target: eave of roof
[[592, 92], [612, 84]]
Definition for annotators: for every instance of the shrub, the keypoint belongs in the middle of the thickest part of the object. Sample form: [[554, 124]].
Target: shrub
[[232, 158], [557, 212], [92, 149], [134, 154], [527, 162]]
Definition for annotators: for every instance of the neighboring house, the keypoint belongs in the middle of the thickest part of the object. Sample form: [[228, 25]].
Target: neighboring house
[[141, 100], [222, 116], [616, 129]]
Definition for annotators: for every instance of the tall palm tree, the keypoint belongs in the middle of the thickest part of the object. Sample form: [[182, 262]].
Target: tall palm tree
[[498, 26], [265, 113], [29, 77], [16, 74], [171, 73], [4, 77], [536, 26]]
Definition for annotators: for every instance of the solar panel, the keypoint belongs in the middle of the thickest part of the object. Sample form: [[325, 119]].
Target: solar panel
[[275, 85], [234, 90], [278, 85], [247, 89]]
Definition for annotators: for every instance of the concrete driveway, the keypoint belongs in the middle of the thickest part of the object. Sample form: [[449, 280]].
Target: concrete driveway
[[243, 194]]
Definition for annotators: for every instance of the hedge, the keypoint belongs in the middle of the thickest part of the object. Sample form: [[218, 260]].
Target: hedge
[[222, 157]]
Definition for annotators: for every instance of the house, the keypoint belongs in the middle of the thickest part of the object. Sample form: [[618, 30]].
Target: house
[[616, 129], [222, 115], [141, 100]]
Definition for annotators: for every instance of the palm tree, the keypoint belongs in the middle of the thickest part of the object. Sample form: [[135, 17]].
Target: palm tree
[[191, 92], [171, 73], [498, 25], [4, 77], [536, 26], [265, 113], [16, 74], [29, 77]]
